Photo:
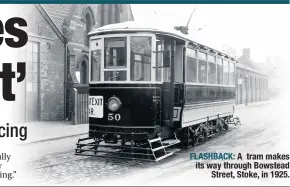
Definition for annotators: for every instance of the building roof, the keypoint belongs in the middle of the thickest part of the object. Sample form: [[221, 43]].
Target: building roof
[[57, 12], [252, 68], [246, 62]]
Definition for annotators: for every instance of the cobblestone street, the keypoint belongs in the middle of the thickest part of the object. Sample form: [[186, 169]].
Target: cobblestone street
[[55, 162]]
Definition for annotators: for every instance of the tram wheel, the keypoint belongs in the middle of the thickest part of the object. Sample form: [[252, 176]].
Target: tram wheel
[[218, 129], [226, 126], [203, 136]]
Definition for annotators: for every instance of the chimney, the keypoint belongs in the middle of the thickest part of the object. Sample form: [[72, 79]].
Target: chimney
[[247, 53]]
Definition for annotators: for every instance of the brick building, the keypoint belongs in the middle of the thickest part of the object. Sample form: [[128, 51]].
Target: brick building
[[57, 55]]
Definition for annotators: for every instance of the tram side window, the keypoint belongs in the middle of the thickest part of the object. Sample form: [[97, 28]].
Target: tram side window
[[191, 70], [140, 58], [96, 64], [211, 70], [231, 74], [202, 68], [115, 59], [226, 72], [219, 71], [166, 71], [159, 56], [178, 63]]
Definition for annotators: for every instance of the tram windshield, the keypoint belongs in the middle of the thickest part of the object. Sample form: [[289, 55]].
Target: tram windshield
[[126, 58], [115, 61], [140, 58]]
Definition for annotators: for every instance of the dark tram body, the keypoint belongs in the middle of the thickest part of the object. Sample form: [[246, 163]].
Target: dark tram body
[[139, 104], [149, 85]]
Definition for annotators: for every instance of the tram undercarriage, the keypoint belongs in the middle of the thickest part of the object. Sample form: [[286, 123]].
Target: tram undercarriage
[[157, 148]]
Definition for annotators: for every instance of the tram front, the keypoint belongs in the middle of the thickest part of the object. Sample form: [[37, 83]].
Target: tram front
[[126, 87]]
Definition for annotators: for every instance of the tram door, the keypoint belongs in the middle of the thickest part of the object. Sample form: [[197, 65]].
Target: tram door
[[168, 46]]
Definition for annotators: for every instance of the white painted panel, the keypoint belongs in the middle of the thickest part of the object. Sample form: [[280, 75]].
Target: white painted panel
[[198, 114]]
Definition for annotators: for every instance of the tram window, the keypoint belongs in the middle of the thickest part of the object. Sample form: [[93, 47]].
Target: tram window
[[211, 73], [219, 71], [231, 74], [140, 58], [191, 52], [226, 72], [201, 56], [211, 58], [158, 60], [202, 68], [115, 75], [202, 71], [211, 70], [191, 70], [167, 70], [115, 53], [95, 65], [178, 65]]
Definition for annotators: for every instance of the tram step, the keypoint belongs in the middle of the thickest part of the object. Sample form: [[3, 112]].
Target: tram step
[[158, 148], [164, 156], [155, 140], [168, 143]]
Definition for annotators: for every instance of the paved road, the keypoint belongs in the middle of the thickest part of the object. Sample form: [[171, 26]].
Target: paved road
[[54, 163]]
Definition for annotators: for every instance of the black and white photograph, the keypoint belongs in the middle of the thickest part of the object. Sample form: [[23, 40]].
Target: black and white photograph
[[144, 94]]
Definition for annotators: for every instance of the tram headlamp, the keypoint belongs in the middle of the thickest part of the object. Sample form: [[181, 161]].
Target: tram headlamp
[[114, 104]]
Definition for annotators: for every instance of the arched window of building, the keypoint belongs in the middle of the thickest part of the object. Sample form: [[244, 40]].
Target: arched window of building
[[84, 73], [82, 69]]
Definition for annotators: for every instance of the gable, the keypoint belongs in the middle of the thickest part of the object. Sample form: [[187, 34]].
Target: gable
[[57, 13], [51, 23]]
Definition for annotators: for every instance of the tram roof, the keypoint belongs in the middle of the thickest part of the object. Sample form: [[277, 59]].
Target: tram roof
[[133, 26]]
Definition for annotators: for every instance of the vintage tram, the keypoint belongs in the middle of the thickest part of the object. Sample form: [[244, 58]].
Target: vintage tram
[[152, 88]]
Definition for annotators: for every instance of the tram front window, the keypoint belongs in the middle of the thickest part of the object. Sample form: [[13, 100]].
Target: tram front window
[[95, 65], [115, 59], [140, 58]]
